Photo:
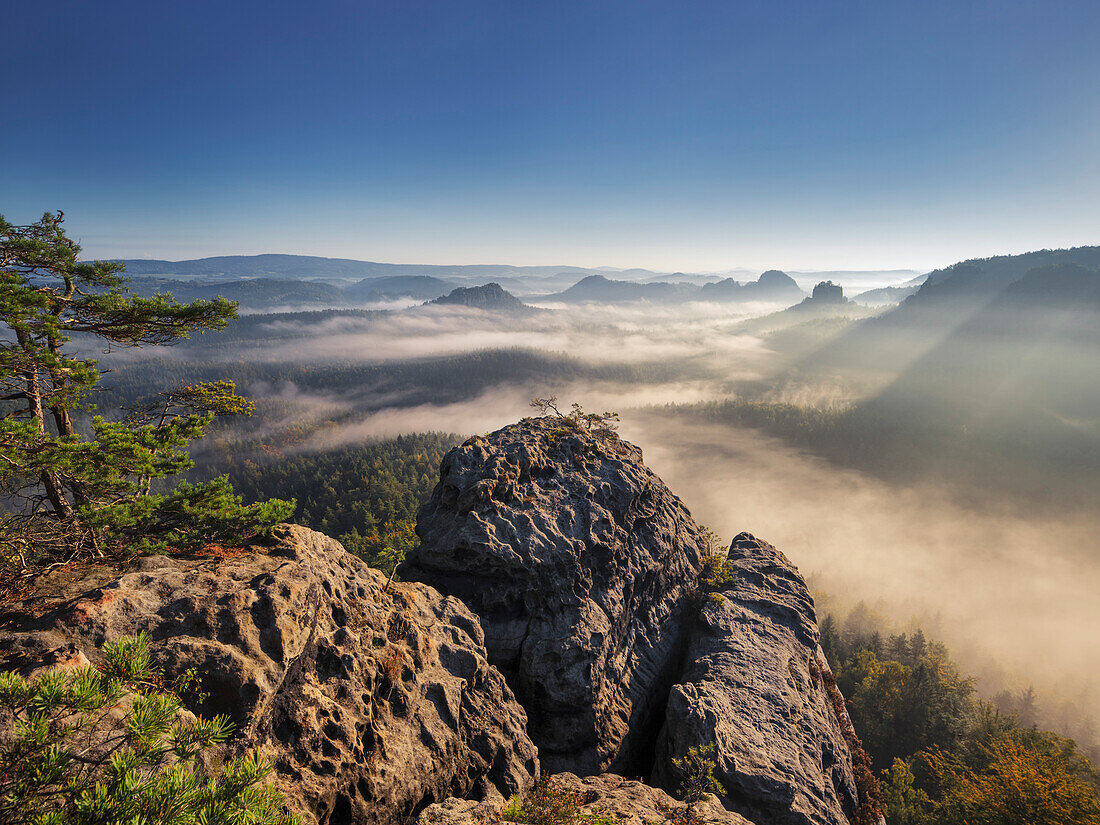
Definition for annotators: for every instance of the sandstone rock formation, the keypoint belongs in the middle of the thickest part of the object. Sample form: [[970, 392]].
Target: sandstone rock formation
[[490, 296], [580, 563], [753, 685], [827, 292], [372, 703], [566, 564], [619, 800]]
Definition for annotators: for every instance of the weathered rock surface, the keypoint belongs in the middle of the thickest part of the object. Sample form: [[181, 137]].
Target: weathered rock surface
[[753, 686], [623, 801], [579, 562], [372, 704]]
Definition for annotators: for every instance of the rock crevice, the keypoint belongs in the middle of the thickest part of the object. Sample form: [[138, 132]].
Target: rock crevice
[[580, 564], [584, 571], [752, 686]]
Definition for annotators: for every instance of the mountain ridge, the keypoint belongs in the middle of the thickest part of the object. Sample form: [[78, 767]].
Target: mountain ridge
[[772, 285]]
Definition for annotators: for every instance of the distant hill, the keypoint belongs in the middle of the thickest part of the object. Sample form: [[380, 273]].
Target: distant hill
[[885, 295], [602, 290], [773, 285], [946, 300], [309, 266], [253, 293], [491, 296], [825, 294], [822, 312], [272, 293], [520, 280], [1012, 386], [278, 293]]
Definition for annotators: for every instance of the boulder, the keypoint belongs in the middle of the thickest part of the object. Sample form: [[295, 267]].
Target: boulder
[[754, 685], [373, 701], [580, 563], [606, 797]]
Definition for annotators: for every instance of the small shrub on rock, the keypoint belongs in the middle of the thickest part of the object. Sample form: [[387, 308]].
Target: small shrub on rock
[[716, 571], [111, 744], [601, 425], [697, 769], [550, 804]]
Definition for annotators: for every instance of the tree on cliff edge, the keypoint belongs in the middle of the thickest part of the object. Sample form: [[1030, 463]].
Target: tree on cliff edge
[[68, 489]]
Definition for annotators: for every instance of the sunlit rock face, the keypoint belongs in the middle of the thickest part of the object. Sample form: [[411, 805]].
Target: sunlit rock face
[[581, 564], [372, 701], [584, 571], [756, 687]]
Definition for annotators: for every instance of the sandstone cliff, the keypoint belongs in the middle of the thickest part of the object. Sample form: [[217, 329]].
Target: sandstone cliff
[[753, 685], [579, 562], [372, 704], [584, 571]]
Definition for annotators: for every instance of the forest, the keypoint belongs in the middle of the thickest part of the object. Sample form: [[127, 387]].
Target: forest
[[365, 495], [945, 755]]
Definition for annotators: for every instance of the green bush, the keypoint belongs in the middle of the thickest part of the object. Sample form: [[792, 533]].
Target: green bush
[[716, 571], [696, 769], [550, 804], [111, 744]]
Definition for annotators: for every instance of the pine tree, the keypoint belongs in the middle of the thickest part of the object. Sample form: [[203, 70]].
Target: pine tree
[[111, 744], [69, 488]]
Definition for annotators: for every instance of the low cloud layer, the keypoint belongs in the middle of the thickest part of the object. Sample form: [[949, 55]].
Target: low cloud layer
[[1011, 591], [1006, 588]]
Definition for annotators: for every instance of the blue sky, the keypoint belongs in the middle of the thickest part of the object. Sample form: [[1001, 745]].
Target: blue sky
[[670, 135]]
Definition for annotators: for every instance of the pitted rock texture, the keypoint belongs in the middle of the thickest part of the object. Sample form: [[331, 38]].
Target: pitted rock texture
[[622, 801], [372, 704], [753, 686], [579, 562]]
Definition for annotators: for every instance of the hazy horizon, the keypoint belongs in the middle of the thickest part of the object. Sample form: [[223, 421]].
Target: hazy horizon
[[730, 271], [808, 265]]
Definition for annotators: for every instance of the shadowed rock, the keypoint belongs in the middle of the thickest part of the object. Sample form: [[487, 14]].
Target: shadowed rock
[[579, 562]]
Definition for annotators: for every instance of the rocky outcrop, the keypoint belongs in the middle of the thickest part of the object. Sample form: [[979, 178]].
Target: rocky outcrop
[[607, 796], [488, 296], [753, 686], [772, 285], [373, 702], [570, 576], [579, 562], [827, 292]]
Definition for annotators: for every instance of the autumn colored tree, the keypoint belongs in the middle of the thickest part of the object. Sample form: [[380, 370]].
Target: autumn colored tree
[[1037, 780]]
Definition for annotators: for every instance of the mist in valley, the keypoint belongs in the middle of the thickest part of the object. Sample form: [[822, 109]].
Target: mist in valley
[[893, 478], [834, 272]]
